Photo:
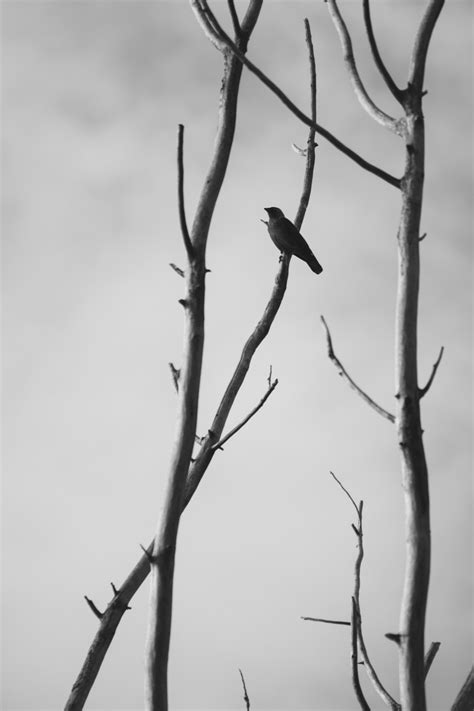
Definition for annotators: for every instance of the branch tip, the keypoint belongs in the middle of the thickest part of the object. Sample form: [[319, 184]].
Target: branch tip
[[94, 609]]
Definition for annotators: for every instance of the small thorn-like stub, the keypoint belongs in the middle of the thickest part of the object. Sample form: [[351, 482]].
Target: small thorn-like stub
[[420, 239], [175, 374], [116, 592], [264, 221], [177, 269], [356, 530], [94, 609], [207, 271], [424, 93], [183, 303], [151, 559]]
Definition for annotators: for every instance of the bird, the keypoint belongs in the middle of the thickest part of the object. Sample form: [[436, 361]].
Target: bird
[[288, 239]]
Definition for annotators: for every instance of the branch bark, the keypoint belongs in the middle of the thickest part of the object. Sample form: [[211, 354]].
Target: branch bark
[[379, 63], [408, 420]]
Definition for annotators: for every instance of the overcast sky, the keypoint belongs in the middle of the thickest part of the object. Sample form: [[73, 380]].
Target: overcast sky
[[92, 96]]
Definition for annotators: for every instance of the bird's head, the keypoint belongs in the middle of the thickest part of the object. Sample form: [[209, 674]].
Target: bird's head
[[274, 212]]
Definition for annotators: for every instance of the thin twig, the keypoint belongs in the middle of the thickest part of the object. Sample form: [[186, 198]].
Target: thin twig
[[94, 609], [235, 18], [226, 40], [355, 671], [397, 126], [430, 655], [329, 622], [234, 431], [423, 391], [353, 385], [182, 213], [371, 673], [397, 93], [246, 696]]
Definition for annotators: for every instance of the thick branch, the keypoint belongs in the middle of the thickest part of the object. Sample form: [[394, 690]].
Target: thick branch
[[342, 371], [465, 699], [422, 41], [397, 93], [302, 116], [360, 91]]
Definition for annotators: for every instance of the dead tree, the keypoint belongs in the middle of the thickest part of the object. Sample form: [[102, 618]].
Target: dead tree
[[185, 474]]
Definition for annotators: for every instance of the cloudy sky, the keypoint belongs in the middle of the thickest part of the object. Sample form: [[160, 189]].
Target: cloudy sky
[[92, 95]]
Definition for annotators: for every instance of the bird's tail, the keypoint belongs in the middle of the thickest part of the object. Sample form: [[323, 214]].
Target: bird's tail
[[314, 264]]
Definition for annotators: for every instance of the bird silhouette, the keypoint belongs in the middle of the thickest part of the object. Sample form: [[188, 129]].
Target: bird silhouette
[[287, 238]]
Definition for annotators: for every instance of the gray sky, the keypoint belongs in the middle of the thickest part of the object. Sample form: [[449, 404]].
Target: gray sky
[[92, 95]]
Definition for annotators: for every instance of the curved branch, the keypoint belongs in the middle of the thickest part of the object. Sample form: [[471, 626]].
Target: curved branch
[[343, 372], [182, 214], [397, 126], [430, 655], [390, 179], [379, 63], [422, 41]]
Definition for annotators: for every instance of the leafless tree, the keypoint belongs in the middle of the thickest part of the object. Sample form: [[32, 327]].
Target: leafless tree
[[185, 472]]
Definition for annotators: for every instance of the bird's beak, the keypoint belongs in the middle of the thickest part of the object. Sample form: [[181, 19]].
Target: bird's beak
[[266, 209]]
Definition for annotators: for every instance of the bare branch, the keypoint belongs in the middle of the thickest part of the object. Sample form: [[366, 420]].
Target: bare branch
[[430, 655], [234, 431], [357, 508], [207, 26], [465, 699], [329, 622], [397, 126], [246, 696], [422, 41], [423, 391], [302, 116], [94, 609], [371, 673], [342, 371], [355, 671], [177, 269], [310, 144], [397, 93], [235, 17], [182, 214]]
